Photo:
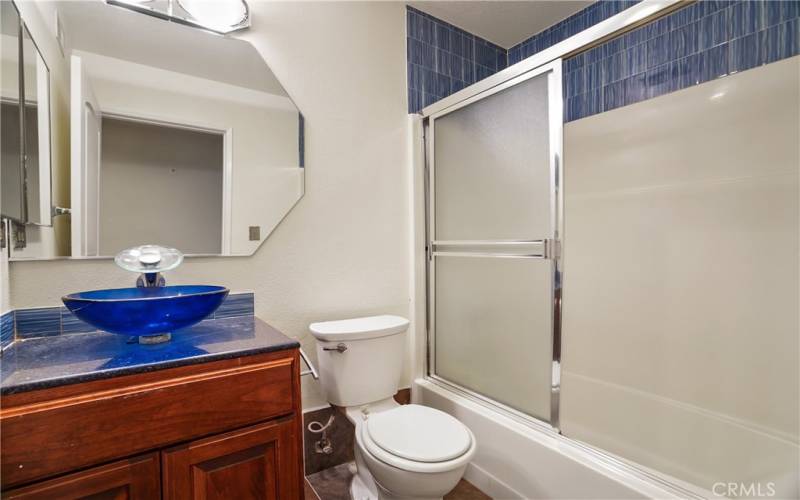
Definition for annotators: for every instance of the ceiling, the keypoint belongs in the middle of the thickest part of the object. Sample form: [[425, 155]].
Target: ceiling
[[505, 23]]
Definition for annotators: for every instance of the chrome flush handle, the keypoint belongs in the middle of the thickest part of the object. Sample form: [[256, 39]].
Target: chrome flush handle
[[339, 348]]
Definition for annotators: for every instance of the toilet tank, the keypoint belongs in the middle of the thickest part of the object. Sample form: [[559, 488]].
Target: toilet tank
[[360, 360]]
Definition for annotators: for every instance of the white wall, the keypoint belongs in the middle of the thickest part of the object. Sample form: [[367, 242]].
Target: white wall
[[343, 250], [680, 326]]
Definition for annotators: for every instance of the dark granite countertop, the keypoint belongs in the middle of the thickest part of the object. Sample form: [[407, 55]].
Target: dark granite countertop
[[45, 362]]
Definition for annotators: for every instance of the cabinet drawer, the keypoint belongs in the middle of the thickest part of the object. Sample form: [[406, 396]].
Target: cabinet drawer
[[133, 479], [49, 437]]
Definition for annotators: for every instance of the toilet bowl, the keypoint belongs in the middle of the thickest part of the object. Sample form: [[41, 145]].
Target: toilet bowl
[[416, 453], [408, 452]]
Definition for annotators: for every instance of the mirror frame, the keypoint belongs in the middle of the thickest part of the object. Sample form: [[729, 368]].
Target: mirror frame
[[45, 209]]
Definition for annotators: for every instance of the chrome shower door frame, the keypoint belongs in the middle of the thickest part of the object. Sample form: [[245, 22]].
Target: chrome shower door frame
[[550, 248]]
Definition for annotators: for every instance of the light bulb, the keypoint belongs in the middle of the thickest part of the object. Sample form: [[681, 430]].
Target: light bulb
[[216, 14]]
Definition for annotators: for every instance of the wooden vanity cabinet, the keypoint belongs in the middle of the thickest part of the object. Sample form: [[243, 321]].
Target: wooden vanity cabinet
[[228, 429]]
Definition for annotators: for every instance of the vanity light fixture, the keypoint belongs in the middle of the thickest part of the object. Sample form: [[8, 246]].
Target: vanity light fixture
[[217, 16]]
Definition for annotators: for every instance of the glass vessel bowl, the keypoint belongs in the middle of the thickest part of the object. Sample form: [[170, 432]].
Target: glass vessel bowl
[[146, 311]]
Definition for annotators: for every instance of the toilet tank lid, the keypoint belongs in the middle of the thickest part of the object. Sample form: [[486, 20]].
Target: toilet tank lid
[[359, 328]]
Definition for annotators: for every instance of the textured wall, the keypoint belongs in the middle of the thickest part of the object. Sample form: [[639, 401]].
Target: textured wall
[[343, 250]]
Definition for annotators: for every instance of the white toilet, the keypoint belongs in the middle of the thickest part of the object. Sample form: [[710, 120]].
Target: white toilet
[[402, 451]]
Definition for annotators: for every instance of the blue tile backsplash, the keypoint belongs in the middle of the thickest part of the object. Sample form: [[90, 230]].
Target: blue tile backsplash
[[71, 324], [49, 321], [235, 305], [443, 59], [703, 41], [39, 322]]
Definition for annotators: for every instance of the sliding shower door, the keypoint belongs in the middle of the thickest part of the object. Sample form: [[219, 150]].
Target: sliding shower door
[[494, 215]]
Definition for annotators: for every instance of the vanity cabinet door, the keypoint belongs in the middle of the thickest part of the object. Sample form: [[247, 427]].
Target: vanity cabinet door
[[258, 462], [132, 479]]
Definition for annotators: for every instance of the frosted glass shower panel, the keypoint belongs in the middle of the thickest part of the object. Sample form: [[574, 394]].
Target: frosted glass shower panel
[[493, 329], [492, 166]]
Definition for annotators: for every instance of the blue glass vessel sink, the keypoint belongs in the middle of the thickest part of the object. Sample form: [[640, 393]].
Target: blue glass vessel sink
[[146, 311]]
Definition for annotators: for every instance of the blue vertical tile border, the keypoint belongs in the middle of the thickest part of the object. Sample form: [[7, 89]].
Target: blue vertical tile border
[[6, 329], [50, 321], [443, 59], [301, 140], [698, 43]]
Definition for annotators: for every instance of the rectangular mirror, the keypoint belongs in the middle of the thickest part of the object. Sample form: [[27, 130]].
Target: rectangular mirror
[[11, 167]]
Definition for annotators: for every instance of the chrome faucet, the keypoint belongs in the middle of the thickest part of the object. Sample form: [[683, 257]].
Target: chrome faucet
[[150, 280]]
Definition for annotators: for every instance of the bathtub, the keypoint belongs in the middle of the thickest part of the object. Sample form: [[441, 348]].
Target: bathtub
[[517, 459]]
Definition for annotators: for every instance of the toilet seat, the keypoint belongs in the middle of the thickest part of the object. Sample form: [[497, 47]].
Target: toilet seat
[[419, 433], [417, 439]]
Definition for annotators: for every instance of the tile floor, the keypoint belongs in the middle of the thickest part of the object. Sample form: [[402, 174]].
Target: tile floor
[[334, 484]]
